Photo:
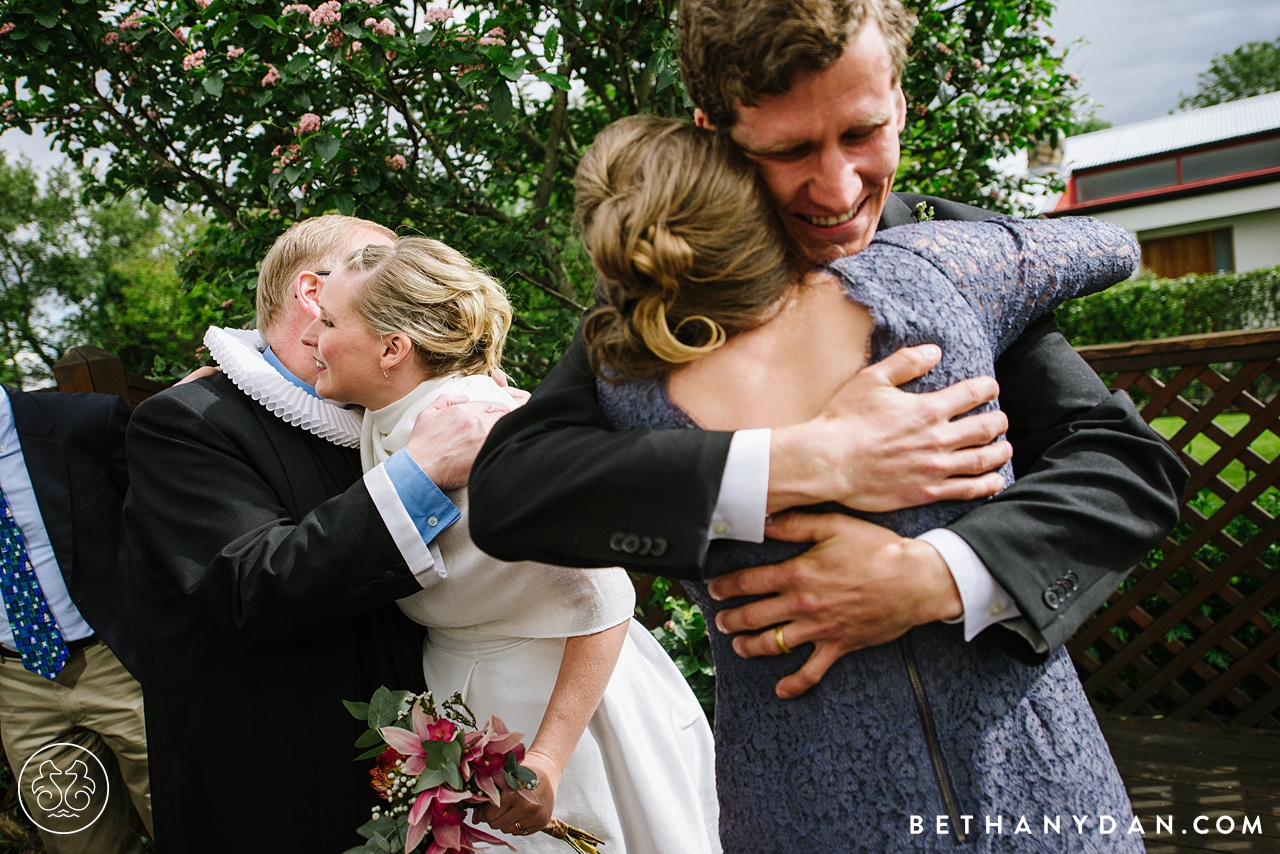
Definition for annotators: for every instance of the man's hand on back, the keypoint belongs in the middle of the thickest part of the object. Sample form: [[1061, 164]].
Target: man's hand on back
[[860, 585], [448, 434], [875, 447]]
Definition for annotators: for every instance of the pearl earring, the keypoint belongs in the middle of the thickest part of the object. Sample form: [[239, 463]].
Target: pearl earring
[[387, 375]]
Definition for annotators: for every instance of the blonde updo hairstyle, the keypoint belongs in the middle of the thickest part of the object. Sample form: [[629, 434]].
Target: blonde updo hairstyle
[[456, 316], [687, 241]]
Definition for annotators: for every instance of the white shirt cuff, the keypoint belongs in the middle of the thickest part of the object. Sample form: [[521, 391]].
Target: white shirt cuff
[[424, 559], [741, 506], [985, 601]]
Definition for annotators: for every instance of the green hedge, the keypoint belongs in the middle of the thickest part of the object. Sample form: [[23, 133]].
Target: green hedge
[[1147, 307]]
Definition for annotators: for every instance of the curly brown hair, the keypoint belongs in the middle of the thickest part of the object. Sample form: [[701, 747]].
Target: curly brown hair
[[734, 51], [688, 243]]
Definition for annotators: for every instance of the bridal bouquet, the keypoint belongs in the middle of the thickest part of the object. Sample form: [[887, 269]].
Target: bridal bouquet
[[433, 765]]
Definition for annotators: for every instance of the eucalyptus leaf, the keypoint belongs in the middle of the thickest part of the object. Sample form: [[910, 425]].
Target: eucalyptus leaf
[[359, 711], [370, 753], [369, 738], [429, 780], [382, 706]]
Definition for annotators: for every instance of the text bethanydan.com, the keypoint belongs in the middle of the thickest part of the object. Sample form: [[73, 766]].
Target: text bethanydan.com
[[1202, 825]]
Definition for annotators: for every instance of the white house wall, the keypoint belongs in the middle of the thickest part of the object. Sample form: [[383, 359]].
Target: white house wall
[[1253, 214]]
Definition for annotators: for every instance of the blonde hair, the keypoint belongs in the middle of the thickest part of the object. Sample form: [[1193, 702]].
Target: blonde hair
[[687, 240], [734, 51], [455, 315], [316, 242]]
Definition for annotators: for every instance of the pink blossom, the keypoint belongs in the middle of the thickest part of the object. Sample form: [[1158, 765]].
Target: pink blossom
[[308, 123], [275, 171], [391, 55], [235, 52], [6, 105], [385, 27], [203, 4], [356, 47], [272, 76], [438, 15], [327, 13], [275, 152], [397, 162], [193, 60], [7, 27], [132, 22], [479, 108], [111, 38], [127, 47], [180, 35], [335, 38], [296, 8]]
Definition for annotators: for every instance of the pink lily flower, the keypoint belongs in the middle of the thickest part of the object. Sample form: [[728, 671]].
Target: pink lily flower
[[409, 742]]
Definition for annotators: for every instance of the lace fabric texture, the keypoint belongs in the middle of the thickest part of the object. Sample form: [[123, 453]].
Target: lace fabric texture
[[845, 766]]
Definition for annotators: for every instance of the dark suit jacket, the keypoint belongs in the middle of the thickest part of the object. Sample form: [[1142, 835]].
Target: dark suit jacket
[[1096, 487], [263, 579], [73, 446]]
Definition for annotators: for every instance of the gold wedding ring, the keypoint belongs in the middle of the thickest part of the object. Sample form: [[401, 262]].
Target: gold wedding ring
[[783, 649], [519, 828]]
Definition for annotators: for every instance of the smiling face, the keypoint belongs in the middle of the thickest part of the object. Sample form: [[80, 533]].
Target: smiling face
[[828, 148], [348, 356]]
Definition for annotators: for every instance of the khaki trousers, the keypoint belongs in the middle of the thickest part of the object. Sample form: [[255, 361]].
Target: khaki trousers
[[96, 704]]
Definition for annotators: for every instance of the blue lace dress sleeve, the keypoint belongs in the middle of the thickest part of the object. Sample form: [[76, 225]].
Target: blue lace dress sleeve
[[929, 732]]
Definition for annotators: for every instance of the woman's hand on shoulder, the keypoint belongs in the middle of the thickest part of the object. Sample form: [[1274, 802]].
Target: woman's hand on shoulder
[[531, 809]]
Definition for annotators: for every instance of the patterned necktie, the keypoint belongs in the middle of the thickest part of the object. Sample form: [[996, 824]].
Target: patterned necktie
[[35, 631]]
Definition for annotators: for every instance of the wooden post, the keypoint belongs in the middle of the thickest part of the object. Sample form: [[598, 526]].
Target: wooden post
[[91, 368]]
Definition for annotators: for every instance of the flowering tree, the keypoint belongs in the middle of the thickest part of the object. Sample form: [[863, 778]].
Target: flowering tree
[[462, 124]]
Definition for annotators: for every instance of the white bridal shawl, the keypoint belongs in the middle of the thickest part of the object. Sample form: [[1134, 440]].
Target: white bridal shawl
[[483, 598]]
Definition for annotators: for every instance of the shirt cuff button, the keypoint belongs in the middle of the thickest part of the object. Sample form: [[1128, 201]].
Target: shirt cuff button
[[432, 521], [996, 609], [720, 527]]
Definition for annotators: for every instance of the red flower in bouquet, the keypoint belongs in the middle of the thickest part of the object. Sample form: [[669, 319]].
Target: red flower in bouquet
[[485, 759], [383, 772]]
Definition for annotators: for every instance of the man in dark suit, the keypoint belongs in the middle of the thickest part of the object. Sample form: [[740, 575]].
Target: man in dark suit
[[810, 90], [66, 638], [264, 571]]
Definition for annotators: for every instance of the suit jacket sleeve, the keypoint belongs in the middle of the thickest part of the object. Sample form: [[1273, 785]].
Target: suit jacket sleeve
[[554, 483], [200, 505], [1096, 487]]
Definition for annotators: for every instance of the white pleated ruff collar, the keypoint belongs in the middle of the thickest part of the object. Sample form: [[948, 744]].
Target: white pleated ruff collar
[[239, 353]]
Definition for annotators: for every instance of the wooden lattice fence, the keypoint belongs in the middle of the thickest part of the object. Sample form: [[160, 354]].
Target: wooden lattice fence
[[1194, 633]]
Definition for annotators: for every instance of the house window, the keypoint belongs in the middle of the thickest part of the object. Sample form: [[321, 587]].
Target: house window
[[1236, 160], [1181, 254], [1126, 180]]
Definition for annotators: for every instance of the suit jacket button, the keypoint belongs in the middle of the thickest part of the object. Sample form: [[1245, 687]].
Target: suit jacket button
[[631, 544], [615, 542], [389, 575], [1052, 599]]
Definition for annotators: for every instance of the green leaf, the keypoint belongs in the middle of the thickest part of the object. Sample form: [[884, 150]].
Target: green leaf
[[500, 104], [291, 174], [434, 755], [515, 70], [382, 707], [354, 30], [550, 42], [359, 711], [429, 780], [327, 146], [344, 202], [466, 80], [369, 738], [213, 85], [47, 19], [554, 80], [425, 37], [40, 42], [260, 21], [300, 62], [370, 753]]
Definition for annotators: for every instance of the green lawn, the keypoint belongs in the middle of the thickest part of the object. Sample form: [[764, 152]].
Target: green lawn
[[1267, 445]]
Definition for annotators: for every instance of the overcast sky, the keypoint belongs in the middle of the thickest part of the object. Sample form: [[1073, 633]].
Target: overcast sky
[[1138, 55], [1135, 58]]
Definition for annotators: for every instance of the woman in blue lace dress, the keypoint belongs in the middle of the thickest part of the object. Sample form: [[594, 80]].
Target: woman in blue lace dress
[[710, 321]]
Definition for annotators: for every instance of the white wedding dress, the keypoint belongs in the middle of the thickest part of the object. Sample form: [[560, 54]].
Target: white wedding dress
[[642, 777]]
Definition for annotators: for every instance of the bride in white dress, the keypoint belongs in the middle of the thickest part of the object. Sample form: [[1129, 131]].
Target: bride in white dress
[[620, 745]]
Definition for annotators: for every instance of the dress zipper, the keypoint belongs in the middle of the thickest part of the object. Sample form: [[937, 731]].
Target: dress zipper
[[931, 736]]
